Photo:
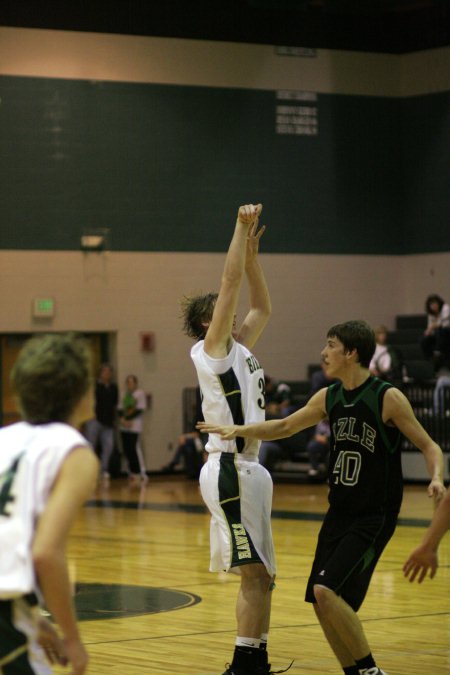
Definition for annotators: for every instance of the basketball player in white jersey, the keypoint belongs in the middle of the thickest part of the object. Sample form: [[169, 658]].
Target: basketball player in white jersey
[[235, 487], [47, 471]]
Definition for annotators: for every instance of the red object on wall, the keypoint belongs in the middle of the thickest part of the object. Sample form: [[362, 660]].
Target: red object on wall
[[147, 342]]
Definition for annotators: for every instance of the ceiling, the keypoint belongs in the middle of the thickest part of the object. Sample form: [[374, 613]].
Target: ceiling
[[389, 26]]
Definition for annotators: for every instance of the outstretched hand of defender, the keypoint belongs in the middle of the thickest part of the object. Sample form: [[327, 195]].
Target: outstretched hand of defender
[[422, 559], [226, 433]]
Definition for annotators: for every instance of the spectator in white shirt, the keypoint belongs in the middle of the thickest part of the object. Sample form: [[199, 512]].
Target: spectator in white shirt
[[381, 362]]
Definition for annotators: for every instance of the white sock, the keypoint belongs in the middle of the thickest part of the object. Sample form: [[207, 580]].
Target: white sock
[[249, 642], [264, 639]]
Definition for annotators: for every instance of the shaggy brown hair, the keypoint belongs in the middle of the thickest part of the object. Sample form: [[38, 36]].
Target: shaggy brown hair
[[50, 376], [196, 311]]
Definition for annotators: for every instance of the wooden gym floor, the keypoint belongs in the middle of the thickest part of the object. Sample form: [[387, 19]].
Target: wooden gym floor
[[149, 605]]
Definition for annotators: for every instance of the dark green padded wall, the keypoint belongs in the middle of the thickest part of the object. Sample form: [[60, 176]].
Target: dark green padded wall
[[165, 167], [426, 172]]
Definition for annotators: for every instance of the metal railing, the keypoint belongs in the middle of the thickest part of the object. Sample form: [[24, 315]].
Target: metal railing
[[432, 409]]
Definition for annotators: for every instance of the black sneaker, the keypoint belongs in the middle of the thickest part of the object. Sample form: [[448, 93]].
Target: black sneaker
[[262, 670], [266, 669]]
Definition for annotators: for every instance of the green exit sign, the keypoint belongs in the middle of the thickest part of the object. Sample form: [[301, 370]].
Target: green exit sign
[[43, 308]]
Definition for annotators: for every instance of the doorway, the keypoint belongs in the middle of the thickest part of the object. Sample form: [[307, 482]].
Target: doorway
[[102, 347]]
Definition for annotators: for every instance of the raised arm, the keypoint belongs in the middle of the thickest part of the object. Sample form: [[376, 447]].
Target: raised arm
[[260, 305], [425, 556], [397, 410], [219, 332], [308, 416]]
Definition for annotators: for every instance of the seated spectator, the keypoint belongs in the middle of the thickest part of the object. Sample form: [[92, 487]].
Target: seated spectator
[[319, 380], [442, 383], [381, 362], [189, 453], [278, 404], [436, 339], [289, 449], [190, 447], [387, 361], [270, 453], [318, 448], [278, 398]]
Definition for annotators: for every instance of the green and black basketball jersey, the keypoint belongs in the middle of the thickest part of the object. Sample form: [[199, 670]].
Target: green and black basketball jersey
[[365, 472]]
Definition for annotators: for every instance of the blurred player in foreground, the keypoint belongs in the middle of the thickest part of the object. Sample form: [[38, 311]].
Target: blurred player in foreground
[[47, 471]]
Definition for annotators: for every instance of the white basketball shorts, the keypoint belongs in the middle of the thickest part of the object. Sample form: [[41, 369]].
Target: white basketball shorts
[[238, 493]]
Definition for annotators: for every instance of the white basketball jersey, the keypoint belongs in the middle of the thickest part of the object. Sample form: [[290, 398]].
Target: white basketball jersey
[[30, 459], [232, 393]]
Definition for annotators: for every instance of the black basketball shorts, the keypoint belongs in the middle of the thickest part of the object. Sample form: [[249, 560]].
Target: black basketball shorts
[[348, 549]]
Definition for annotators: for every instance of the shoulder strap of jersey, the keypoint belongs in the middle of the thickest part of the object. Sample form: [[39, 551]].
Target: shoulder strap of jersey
[[332, 396], [374, 400]]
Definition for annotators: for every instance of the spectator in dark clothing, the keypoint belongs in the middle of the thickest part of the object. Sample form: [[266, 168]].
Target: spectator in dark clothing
[[278, 398], [279, 404], [190, 448], [318, 448], [101, 429], [320, 379], [189, 453]]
